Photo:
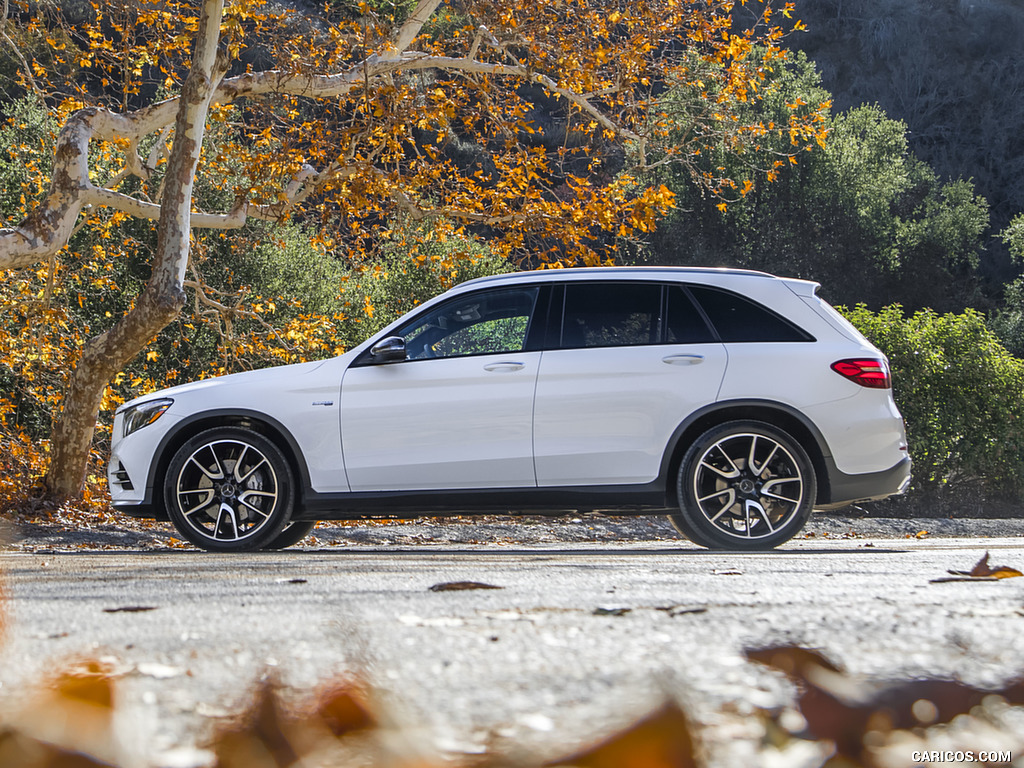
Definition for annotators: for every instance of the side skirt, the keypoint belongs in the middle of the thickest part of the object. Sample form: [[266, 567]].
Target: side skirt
[[628, 499]]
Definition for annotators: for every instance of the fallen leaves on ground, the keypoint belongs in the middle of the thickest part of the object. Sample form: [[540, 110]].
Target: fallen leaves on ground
[[272, 735], [20, 751], [982, 568], [66, 724]]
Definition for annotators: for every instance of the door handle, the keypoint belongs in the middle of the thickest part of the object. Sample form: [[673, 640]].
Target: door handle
[[683, 359], [503, 367]]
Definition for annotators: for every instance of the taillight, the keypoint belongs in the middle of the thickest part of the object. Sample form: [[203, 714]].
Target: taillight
[[868, 372]]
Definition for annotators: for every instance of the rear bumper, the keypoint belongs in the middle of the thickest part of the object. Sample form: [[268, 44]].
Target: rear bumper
[[873, 486]]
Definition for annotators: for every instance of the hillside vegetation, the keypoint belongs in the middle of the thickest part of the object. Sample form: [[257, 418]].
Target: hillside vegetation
[[952, 70]]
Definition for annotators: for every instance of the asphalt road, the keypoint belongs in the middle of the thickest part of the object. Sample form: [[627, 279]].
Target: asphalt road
[[575, 644]]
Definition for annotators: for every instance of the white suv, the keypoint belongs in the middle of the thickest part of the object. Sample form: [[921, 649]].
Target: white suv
[[733, 401]]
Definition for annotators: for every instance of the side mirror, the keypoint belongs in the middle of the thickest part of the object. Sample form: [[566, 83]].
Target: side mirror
[[389, 350]]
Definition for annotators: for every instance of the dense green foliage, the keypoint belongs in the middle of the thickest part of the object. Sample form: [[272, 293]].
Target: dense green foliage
[[399, 280], [861, 215], [1008, 320], [961, 394]]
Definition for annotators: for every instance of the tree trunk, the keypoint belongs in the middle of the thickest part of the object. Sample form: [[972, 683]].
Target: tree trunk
[[164, 296]]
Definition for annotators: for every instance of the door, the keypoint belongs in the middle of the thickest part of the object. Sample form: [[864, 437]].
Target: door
[[457, 412], [635, 359]]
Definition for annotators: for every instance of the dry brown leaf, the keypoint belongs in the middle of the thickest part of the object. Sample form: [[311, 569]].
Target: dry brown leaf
[[344, 710], [67, 723], [661, 740], [982, 569], [90, 683], [454, 586], [269, 736], [840, 710], [18, 750], [791, 659], [261, 739]]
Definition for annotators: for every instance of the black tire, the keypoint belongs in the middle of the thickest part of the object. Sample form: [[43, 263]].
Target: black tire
[[295, 532], [229, 489], [744, 485]]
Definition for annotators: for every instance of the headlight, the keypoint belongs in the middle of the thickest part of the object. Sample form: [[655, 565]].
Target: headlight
[[144, 414]]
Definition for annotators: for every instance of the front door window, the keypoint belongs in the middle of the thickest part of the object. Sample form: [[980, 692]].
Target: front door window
[[485, 323]]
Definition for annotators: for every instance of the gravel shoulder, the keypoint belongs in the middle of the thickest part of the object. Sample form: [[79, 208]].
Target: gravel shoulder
[[60, 531]]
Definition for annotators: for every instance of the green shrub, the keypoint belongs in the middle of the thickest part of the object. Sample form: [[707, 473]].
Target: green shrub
[[1008, 320], [962, 395]]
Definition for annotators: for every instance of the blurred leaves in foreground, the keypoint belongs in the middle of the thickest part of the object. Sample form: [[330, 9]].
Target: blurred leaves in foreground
[[69, 725], [844, 721], [877, 726]]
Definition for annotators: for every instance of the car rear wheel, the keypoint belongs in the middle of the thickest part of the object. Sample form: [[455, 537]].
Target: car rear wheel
[[744, 485], [229, 489]]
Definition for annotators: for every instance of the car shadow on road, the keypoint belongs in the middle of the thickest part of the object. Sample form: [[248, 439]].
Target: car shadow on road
[[438, 551]]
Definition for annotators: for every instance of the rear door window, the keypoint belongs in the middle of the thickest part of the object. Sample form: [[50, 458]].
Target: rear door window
[[738, 319], [611, 315]]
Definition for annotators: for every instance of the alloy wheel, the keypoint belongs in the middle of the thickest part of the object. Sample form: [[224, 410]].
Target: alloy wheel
[[748, 485], [227, 490]]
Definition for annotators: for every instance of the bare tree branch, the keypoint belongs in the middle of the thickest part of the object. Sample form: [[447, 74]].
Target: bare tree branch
[[412, 26], [50, 225]]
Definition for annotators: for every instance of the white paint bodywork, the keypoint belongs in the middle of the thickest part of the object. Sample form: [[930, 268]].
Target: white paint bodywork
[[463, 422], [606, 418], [598, 416]]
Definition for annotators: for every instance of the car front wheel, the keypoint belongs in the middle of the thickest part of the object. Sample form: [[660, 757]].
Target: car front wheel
[[744, 485], [229, 489], [295, 532]]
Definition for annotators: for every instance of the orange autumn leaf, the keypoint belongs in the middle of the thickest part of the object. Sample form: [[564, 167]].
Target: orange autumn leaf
[[663, 739], [983, 570], [344, 710]]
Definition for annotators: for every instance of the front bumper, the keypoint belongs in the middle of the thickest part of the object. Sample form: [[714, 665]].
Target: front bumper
[[143, 510]]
